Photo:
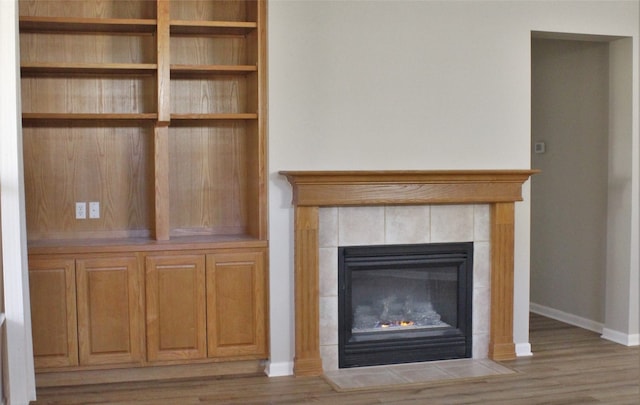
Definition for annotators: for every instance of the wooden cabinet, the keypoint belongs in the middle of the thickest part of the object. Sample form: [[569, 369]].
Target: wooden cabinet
[[86, 311], [201, 306], [52, 287], [156, 110], [176, 308], [94, 311], [109, 302], [236, 287]]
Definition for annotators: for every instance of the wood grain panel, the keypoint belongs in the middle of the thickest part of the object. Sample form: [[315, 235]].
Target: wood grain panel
[[256, 181], [88, 8], [82, 25], [181, 244], [52, 287], [40, 69], [236, 314], [501, 346], [388, 194], [176, 307], [255, 43], [163, 47], [307, 359], [202, 27], [89, 94], [257, 132], [161, 176], [256, 11], [67, 47], [109, 301], [208, 50], [208, 179], [65, 165], [252, 98], [211, 95], [158, 374], [215, 10], [406, 187]]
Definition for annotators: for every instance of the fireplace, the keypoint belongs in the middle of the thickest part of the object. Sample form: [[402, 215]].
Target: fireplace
[[500, 189], [404, 303]]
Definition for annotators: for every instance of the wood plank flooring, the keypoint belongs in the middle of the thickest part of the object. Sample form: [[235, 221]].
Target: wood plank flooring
[[569, 366]]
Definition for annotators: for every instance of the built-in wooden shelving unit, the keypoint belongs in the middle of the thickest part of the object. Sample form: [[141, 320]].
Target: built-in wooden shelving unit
[[157, 111]]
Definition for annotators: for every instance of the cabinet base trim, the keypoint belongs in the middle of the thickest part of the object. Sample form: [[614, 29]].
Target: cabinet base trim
[[71, 378]]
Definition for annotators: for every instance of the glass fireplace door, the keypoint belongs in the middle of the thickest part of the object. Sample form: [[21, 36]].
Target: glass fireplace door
[[404, 303]]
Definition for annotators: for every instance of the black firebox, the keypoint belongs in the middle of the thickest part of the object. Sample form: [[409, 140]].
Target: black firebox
[[404, 303]]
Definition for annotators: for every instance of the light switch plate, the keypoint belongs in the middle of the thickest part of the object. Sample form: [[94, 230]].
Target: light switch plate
[[94, 209]]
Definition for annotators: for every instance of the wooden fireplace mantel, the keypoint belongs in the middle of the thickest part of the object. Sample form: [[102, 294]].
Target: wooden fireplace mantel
[[313, 189]]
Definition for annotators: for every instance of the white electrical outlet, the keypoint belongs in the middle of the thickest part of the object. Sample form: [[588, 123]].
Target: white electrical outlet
[[94, 209], [81, 210]]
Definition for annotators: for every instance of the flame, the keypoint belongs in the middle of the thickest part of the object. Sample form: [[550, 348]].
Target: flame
[[389, 324]]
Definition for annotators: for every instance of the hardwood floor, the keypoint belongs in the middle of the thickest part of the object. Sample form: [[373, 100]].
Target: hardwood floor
[[569, 366]]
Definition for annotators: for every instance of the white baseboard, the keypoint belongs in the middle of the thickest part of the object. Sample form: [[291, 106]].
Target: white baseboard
[[279, 369], [523, 349], [620, 337], [608, 334], [566, 317]]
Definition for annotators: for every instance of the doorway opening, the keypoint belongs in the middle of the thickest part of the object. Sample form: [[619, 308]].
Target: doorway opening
[[581, 134]]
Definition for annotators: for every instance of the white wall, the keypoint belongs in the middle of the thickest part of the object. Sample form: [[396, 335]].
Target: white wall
[[21, 381], [408, 85], [621, 319]]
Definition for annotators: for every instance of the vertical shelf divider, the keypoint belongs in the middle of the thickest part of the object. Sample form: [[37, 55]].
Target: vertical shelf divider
[[164, 62], [161, 131], [262, 89], [161, 168]]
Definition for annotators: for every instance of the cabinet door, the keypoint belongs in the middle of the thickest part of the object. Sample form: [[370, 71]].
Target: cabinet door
[[52, 286], [236, 305], [176, 327], [109, 310]]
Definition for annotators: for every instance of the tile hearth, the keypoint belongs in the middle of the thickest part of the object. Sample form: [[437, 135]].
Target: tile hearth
[[403, 375]]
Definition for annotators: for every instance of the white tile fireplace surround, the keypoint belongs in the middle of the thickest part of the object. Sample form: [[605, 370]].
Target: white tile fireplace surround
[[384, 225], [437, 192]]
